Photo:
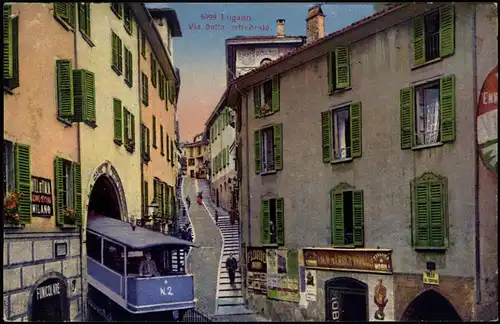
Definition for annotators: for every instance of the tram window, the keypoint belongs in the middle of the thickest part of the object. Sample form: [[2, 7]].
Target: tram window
[[94, 247], [113, 256], [134, 259]]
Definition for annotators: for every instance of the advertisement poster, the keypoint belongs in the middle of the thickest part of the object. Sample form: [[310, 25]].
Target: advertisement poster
[[283, 275], [311, 285], [257, 270]]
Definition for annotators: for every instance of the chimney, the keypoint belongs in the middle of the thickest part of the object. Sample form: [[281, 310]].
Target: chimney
[[315, 24], [280, 27]]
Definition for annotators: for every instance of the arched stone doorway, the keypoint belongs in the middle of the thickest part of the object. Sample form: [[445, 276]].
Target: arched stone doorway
[[49, 300], [346, 299], [430, 306], [107, 196]]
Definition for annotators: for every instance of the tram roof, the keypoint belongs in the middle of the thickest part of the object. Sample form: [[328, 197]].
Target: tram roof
[[122, 232]]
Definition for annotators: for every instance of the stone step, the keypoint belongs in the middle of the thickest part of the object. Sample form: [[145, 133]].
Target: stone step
[[232, 310], [223, 281], [230, 293], [228, 287], [235, 301]]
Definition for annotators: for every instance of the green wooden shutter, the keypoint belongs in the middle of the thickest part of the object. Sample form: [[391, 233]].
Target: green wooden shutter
[[342, 77], [143, 44], [154, 131], [77, 192], [257, 152], [338, 218], [126, 63], [114, 50], [172, 162], [82, 22], [265, 235], [276, 94], [126, 116], [148, 143], [90, 97], [146, 196], [87, 19], [329, 59], [406, 103], [132, 126], [278, 146], [23, 181], [61, 10], [161, 141], [421, 213], [120, 55], [143, 142], [292, 262], [437, 200], [153, 69], [358, 217], [65, 88], [59, 186], [117, 110], [326, 136], [280, 221], [418, 41], [146, 83], [79, 97], [256, 100], [13, 82], [447, 104], [446, 31], [356, 129], [7, 42], [71, 14]]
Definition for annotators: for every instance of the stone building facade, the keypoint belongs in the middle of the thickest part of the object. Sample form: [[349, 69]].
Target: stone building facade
[[196, 154], [344, 157]]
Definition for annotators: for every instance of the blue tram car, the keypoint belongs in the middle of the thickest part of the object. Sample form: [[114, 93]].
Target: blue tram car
[[118, 287]]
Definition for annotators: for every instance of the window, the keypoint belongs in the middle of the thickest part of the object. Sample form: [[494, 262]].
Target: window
[[68, 187], [117, 8], [129, 130], [339, 74], [118, 121], [145, 144], [84, 18], [65, 13], [267, 97], [341, 133], [128, 67], [161, 80], [84, 97], [113, 256], [199, 150], [268, 151], [116, 53], [153, 70], [145, 198], [191, 162], [143, 44], [154, 132], [94, 246], [272, 217], [161, 141], [347, 216], [11, 48], [145, 90], [429, 202], [434, 35], [127, 19], [9, 176], [428, 113]]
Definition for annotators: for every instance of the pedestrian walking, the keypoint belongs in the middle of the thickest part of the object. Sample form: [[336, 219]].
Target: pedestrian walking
[[216, 217], [188, 201], [231, 266]]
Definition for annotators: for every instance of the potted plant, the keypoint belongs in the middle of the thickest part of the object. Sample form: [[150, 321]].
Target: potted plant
[[11, 208], [69, 215]]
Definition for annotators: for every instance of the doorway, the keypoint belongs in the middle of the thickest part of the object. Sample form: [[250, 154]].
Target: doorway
[[430, 306], [346, 299], [50, 301], [103, 199], [191, 173]]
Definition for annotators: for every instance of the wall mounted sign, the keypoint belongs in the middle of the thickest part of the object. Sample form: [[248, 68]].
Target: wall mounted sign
[[359, 260], [431, 278], [257, 270], [50, 301], [61, 249], [487, 122], [41, 197], [283, 275], [311, 286]]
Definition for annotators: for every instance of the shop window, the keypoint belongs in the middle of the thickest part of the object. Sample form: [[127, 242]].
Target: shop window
[[113, 256], [94, 247]]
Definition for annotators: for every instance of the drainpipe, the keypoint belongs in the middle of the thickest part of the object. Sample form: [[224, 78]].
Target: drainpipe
[[83, 274], [140, 117], [248, 173], [477, 241]]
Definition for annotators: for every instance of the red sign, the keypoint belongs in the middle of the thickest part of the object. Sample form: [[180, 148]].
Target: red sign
[[487, 122]]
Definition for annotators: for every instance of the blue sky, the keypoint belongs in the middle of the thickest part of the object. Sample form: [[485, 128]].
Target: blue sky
[[200, 54]]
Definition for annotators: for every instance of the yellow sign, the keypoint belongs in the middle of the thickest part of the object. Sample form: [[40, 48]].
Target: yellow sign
[[431, 278]]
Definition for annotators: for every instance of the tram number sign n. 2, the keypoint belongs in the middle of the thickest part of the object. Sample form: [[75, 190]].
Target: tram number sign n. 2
[[167, 290], [335, 308]]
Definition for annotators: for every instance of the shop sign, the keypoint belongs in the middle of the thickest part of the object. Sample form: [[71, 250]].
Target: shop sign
[[41, 197], [283, 275], [358, 260], [487, 122], [257, 270], [431, 278]]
